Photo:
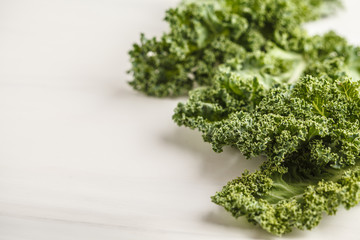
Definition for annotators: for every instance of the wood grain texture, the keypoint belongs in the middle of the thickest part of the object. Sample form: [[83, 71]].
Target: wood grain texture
[[83, 156]]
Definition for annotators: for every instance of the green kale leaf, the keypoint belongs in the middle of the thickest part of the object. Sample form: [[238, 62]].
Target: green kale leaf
[[208, 33], [279, 202]]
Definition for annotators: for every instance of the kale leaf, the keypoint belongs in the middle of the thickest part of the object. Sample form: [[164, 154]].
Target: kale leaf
[[205, 34]]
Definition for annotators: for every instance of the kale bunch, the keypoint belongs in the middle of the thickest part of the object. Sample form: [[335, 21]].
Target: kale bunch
[[266, 88]]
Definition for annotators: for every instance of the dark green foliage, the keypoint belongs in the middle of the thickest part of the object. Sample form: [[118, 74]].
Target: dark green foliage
[[206, 34], [279, 202], [266, 88], [309, 132]]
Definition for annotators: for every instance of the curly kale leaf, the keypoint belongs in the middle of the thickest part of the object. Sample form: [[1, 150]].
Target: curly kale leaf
[[206, 34], [314, 113], [281, 201]]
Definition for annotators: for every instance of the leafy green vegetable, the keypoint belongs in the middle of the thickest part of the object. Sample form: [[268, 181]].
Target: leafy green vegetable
[[276, 122], [265, 87], [205, 34], [279, 202], [310, 133]]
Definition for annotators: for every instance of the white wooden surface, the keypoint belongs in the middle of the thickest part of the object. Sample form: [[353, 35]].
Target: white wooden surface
[[83, 156]]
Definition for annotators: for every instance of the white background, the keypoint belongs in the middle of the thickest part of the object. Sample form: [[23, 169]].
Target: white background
[[83, 156]]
